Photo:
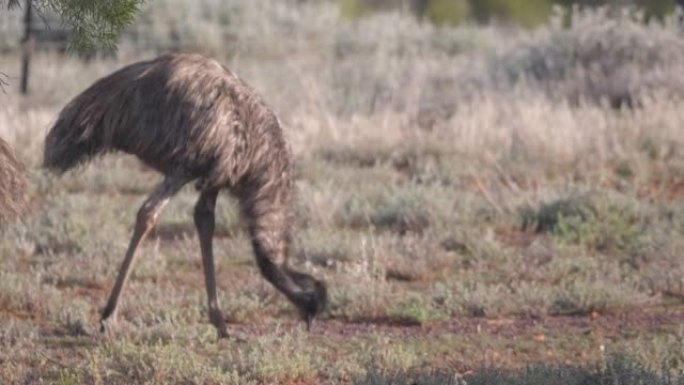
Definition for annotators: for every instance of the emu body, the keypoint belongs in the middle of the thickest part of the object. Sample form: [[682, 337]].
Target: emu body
[[192, 119]]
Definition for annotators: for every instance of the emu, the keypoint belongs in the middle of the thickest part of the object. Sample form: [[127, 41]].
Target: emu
[[192, 119], [13, 184]]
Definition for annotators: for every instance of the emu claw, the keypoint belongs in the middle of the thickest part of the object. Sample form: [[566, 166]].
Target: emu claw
[[105, 329]]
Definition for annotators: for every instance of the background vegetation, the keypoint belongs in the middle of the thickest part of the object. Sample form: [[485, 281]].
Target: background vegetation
[[528, 13], [481, 200]]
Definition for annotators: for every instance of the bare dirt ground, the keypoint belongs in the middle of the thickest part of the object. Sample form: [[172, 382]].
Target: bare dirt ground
[[610, 325]]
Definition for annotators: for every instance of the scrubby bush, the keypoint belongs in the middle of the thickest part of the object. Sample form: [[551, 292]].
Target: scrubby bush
[[449, 12], [526, 12], [602, 221], [601, 57]]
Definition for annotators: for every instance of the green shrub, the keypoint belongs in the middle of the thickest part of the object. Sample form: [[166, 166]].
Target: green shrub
[[657, 8], [417, 312], [546, 218], [525, 12], [400, 210], [604, 222], [351, 8], [448, 12], [606, 226]]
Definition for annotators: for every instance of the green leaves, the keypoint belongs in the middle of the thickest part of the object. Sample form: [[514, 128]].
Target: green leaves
[[528, 13], [94, 23]]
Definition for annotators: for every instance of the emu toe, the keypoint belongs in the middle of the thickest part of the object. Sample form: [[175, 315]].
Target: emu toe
[[105, 325], [223, 334]]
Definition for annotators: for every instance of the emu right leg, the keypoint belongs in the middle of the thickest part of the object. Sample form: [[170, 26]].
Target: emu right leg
[[147, 217]]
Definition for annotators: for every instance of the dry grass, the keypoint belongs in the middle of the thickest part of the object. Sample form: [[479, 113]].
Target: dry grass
[[418, 165], [13, 183]]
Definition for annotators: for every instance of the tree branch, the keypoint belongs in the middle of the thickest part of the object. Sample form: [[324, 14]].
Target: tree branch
[[10, 3], [93, 22]]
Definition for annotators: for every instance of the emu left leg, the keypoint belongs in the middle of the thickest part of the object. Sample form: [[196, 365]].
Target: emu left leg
[[145, 220], [205, 222]]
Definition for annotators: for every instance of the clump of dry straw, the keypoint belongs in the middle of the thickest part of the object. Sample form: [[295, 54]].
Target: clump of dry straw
[[13, 184]]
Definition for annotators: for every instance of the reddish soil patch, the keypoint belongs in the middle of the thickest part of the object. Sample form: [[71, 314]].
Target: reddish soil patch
[[609, 325], [662, 191]]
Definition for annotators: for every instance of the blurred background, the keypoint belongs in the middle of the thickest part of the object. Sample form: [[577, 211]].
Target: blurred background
[[530, 13], [367, 55]]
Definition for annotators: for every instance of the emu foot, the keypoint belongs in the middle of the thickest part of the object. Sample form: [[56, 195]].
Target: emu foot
[[222, 334], [106, 326], [221, 331], [108, 318]]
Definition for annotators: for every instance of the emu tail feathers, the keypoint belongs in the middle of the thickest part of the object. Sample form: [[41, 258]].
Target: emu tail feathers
[[75, 138]]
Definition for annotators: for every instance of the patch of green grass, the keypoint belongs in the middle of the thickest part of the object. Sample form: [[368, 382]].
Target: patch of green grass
[[158, 363], [602, 221], [273, 359], [617, 370], [400, 211], [66, 377], [329, 248], [416, 312], [663, 350], [546, 218]]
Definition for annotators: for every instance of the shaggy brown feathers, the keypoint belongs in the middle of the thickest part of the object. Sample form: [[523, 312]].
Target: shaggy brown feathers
[[13, 184], [178, 111], [183, 113], [191, 118]]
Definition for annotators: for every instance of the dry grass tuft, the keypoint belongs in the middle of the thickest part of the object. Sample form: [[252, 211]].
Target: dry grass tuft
[[13, 184]]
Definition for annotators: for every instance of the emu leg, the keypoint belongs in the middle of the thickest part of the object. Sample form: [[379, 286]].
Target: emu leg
[[205, 222], [146, 218]]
